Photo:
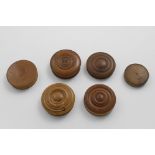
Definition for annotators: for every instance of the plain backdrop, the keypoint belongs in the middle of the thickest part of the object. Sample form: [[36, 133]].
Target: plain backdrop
[[135, 107]]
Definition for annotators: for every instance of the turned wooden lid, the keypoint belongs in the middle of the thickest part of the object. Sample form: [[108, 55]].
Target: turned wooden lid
[[136, 75], [100, 65], [65, 64], [99, 99], [58, 99], [22, 74]]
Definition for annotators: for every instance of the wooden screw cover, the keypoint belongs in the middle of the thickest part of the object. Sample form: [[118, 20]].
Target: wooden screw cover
[[100, 65], [136, 75], [65, 64], [99, 99], [22, 74], [58, 99]]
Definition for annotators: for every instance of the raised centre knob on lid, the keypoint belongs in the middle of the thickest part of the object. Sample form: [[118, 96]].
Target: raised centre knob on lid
[[101, 63], [99, 97], [57, 96]]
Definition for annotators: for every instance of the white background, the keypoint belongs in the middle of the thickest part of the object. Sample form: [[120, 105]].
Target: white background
[[69, 12], [135, 108]]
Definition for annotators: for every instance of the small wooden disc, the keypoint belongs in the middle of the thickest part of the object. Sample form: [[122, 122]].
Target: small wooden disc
[[22, 74], [65, 64], [136, 75], [100, 65], [99, 99], [58, 99]]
